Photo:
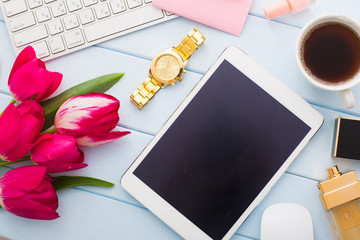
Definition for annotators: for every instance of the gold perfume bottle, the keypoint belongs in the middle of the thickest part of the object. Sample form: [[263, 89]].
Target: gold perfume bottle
[[340, 195]]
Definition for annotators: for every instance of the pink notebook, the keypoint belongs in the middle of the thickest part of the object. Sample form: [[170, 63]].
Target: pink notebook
[[226, 15]]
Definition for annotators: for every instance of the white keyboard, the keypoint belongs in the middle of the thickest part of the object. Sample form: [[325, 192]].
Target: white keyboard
[[58, 27]]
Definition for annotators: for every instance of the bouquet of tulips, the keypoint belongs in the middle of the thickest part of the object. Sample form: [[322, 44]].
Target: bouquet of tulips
[[82, 116]]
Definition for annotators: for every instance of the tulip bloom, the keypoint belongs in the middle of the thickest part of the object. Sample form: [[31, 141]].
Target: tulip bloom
[[19, 128], [90, 119], [58, 153], [29, 79], [28, 192]]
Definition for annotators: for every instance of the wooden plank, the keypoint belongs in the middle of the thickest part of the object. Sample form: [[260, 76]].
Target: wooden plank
[[90, 216], [276, 54], [349, 8], [93, 62], [313, 161], [291, 189]]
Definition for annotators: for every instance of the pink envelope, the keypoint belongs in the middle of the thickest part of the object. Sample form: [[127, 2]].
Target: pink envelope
[[226, 15]]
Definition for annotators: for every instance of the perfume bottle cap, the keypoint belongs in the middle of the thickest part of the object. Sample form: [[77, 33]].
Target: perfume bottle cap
[[333, 172], [339, 188]]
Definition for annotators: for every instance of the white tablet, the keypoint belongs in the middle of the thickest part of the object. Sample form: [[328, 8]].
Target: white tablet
[[222, 150]]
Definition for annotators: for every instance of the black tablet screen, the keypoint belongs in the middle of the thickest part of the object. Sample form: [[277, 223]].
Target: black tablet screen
[[221, 151]]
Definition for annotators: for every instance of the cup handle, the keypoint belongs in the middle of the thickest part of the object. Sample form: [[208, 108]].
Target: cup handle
[[347, 98]]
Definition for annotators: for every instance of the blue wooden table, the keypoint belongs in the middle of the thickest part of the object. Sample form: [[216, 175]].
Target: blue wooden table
[[98, 213]]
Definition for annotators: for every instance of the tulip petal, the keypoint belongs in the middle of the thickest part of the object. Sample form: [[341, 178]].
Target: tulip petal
[[44, 194], [26, 55], [22, 180], [81, 111], [29, 81], [55, 79], [51, 146], [100, 139], [9, 123], [13, 156], [63, 167], [34, 108], [71, 161], [28, 208]]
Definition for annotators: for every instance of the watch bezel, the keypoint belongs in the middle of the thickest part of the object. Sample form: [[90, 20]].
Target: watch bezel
[[178, 58]]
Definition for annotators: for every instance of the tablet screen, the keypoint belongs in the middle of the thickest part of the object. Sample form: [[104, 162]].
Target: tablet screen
[[221, 151]]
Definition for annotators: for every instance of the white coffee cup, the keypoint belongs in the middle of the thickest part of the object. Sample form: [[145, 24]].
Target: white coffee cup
[[343, 87]]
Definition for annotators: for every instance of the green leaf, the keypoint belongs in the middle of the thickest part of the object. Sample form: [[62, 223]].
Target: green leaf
[[62, 182], [99, 85]]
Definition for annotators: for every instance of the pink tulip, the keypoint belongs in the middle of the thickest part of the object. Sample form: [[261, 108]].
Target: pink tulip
[[90, 119], [19, 128], [28, 192], [58, 153], [29, 78]]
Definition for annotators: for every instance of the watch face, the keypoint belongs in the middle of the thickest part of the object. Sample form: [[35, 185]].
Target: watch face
[[167, 67]]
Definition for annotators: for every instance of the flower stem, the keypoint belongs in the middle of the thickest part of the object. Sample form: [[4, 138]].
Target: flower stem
[[26, 158], [51, 130]]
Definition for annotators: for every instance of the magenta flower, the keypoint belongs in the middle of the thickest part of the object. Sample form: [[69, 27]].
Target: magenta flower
[[19, 128], [58, 153], [29, 78], [28, 192], [90, 119]]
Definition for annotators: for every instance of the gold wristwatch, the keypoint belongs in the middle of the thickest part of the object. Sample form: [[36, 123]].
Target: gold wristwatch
[[167, 67]]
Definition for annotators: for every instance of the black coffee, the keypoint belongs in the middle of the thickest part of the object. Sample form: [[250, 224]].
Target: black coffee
[[331, 53]]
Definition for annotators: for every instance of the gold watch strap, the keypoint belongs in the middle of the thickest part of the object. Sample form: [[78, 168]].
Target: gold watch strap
[[145, 92], [190, 43]]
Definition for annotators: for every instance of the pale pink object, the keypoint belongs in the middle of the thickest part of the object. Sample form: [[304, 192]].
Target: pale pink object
[[29, 78], [58, 153], [28, 192], [283, 6], [20, 127], [90, 119], [226, 15]]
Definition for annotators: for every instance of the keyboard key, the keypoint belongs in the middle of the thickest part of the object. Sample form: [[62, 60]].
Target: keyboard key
[[90, 2], [86, 16], [22, 21], [117, 6], [35, 3], [14, 7], [41, 49], [43, 14], [30, 35], [58, 9], [74, 38], [49, 1], [122, 22], [148, 1], [55, 27], [134, 3], [56, 44], [102, 11], [73, 5], [71, 22]]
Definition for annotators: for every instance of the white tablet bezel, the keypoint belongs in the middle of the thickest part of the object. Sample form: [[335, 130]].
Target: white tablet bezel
[[272, 86]]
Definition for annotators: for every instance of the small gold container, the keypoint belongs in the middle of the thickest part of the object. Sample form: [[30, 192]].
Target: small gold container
[[340, 195]]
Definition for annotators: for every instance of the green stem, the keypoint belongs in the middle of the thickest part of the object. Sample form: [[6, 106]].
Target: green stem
[[51, 130], [12, 101], [4, 163]]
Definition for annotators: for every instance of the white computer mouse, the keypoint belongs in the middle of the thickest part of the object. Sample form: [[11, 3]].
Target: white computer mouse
[[286, 221]]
